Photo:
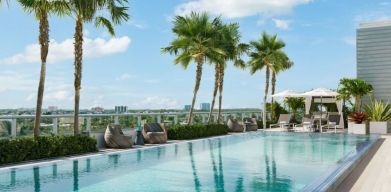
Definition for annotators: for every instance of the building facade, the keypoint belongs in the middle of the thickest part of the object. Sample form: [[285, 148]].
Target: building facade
[[97, 109], [374, 57], [205, 106], [187, 107], [121, 109]]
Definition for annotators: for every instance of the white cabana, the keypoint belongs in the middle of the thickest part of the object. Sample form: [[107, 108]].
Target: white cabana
[[323, 95], [319, 95]]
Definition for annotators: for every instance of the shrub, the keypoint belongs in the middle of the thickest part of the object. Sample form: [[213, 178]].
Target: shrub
[[180, 132], [24, 149], [358, 117], [378, 111], [268, 123]]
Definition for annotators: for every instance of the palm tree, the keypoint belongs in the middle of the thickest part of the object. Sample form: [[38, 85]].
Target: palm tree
[[195, 41], [215, 89], [84, 12], [355, 88], [266, 54], [229, 41], [295, 104], [283, 63], [42, 9]]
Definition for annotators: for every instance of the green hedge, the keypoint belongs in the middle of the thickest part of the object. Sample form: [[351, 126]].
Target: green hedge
[[24, 149], [268, 123], [180, 132]]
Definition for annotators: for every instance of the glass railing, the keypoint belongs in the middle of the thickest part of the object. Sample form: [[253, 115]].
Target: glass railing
[[22, 125]]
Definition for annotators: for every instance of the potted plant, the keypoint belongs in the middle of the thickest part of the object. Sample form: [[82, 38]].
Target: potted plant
[[379, 114], [357, 123]]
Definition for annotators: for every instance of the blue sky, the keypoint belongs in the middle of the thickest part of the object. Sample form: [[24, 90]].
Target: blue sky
[[129, 69]]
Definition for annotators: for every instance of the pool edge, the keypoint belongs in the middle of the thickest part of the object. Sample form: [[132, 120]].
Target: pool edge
[[49, 161], [331, 180]]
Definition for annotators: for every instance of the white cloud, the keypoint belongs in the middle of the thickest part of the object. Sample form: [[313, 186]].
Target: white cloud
[[136, 24], [86, 32], [97, 102], [377, 15], [156, 102], [59, 95], [152, 81], [242, 8], [56, 92], [281, 24], [30, 97], [14, 81], [61, 51], [350, 40], [124, 76]]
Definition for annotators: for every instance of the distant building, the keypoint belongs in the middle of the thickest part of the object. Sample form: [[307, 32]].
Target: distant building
[[52, 108], [97, 109], [205, 106], [121, 109], [187, 107], [374, 57]]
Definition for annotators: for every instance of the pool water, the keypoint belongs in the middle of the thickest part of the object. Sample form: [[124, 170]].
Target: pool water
[[245, 162]]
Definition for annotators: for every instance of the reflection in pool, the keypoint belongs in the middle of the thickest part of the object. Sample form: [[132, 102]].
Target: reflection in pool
[[245, 162]]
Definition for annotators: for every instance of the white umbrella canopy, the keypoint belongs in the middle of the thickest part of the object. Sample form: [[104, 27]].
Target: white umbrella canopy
[[287, 93], [320, 92]]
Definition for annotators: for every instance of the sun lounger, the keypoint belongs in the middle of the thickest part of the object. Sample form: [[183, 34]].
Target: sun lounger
[[283, 121], [234, 125], [307, 123], [115, 138], [155, 133], [333, 119], [250, 124]]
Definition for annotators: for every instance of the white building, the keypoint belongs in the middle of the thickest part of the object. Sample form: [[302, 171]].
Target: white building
[[374, 57], [97, 109], [52, 108]]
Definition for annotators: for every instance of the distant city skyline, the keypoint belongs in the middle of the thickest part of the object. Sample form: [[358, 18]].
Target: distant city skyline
[[130, 70]]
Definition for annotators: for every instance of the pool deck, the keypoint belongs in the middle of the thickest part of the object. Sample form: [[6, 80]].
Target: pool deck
[[373, 173]]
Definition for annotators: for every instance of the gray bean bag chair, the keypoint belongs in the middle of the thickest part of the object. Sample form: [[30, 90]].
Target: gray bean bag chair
[[250, 124], [155, 133], [235, 126], [115, 138]]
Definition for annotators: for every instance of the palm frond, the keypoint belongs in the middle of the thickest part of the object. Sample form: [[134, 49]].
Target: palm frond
[[101, 21]]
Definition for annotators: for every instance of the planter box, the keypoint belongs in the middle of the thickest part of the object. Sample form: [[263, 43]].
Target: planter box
[[379, 127], [357, 128], [100, 140]]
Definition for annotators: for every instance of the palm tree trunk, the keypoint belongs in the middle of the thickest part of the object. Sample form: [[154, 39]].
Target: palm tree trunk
[[265, 97], [200, 61], [221, 83], [78, 70], [44, 42], [358, 104], [216, 87], [274, 80]]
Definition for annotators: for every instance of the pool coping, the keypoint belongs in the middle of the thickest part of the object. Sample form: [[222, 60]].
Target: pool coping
[[334, 176], [49, 161]]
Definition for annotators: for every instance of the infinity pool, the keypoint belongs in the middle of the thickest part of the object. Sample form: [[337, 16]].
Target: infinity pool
[[244, 162]]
